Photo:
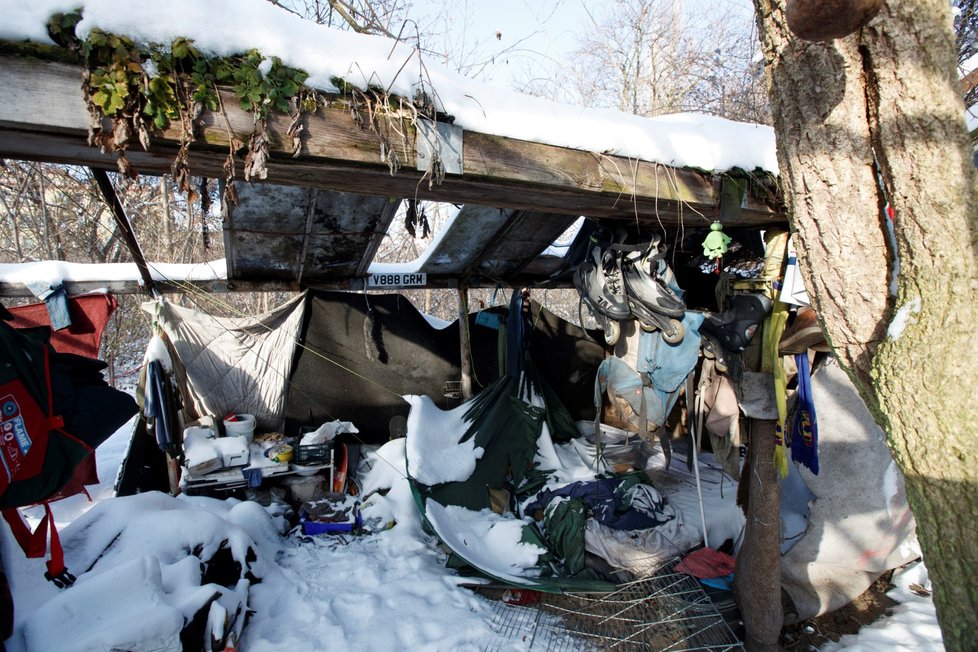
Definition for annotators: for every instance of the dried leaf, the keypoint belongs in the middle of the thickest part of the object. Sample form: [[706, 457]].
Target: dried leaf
[[437, 172], [205, 197], [256, 161], [230, 197], [411, 217], [425, 226], [180, 170], [143, 133], [125, 168], [294, 132], [121, 133]]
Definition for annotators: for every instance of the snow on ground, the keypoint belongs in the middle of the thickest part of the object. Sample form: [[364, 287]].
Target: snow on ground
[[383, 591], [911, 628]]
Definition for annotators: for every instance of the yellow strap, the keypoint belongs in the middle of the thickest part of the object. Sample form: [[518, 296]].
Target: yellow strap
[[771, 362]]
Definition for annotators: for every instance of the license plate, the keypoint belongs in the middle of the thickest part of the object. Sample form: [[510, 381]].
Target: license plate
[[397, 280]]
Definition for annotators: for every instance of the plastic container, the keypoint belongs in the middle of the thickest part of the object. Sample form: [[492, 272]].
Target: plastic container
[[310, 527], [240, 425], [311, 455], [279, 453]]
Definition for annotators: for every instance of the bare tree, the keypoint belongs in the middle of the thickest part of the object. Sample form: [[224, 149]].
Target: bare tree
[[363, 16], [652, 57]]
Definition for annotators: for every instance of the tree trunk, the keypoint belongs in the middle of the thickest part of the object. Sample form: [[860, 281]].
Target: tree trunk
[[889, 94]]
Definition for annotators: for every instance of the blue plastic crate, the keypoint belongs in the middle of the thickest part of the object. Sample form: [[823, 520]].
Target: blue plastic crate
[[319, 527]]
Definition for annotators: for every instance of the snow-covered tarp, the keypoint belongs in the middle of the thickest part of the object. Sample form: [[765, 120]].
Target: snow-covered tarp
[[56, 272]]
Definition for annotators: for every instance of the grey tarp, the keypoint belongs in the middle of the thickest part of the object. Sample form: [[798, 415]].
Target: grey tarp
[[361, 353], [860, 524], [235, 364]]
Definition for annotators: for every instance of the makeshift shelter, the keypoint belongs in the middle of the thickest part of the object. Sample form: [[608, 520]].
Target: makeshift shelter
[[333, 185], [327, 355]]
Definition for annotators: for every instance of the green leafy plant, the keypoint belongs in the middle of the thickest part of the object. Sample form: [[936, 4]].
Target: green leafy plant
[[144, 88]]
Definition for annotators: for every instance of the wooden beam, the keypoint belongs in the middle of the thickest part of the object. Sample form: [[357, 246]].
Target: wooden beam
[[125, 226], [386, 217], [43, 117], [132, 286], [465, 341], [473, 228], [306, 235]]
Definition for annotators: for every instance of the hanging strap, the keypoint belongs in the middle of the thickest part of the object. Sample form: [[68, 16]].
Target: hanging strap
[[34, 544]]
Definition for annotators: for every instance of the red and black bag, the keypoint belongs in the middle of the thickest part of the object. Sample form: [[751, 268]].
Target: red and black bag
[[55, 408]]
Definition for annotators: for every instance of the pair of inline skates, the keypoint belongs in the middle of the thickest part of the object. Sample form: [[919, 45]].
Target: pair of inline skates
[[619, 281]]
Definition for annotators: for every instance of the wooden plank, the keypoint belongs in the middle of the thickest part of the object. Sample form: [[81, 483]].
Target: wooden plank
[[525, 238], [538, 278], [465, 341], [42, 117], [20, 291], [472, 228], [302, 234]]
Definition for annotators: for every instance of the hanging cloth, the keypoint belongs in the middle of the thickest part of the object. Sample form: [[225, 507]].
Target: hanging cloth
[[804, 431]]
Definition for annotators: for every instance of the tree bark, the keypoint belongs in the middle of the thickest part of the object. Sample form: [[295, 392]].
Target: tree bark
[[887, 98], [757, 582]]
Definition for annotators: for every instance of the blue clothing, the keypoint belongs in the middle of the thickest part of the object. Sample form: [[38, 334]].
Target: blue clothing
[[618, 503]]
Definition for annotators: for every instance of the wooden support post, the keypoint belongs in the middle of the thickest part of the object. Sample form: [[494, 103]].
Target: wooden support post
[[757, 583], [125, 226], [465, 341]]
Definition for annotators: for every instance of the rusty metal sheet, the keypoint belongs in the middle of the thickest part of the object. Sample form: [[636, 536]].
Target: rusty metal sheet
[[300, 234]]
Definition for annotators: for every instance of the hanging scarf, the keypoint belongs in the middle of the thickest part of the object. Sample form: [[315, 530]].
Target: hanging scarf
[[804, 432]]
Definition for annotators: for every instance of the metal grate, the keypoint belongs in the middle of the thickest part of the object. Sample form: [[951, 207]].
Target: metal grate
[[666, 611]]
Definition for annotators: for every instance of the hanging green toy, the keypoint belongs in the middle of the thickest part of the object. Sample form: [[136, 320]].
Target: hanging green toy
[[715, 243]]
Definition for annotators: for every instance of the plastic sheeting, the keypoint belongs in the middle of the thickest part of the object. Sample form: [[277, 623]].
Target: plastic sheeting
[[89, 315], [860, 524], [361, 353], [235, 364]]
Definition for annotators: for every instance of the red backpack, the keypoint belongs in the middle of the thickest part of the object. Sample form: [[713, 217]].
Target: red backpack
[[55, 408], [33, 445]]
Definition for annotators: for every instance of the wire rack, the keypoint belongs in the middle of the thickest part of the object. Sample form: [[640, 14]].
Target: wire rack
[[665, 611]]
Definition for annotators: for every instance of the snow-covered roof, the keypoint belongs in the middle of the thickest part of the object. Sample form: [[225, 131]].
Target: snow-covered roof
[[227, 27]]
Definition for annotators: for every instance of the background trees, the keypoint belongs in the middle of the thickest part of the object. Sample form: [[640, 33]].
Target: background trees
[[652, 57], [55, 212]]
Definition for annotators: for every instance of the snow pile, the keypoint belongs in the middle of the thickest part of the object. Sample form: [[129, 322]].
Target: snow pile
[[140, 577], [227, 27], [437, 430], [152, 570], [57, 271], [912, 626], [123, 608]]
